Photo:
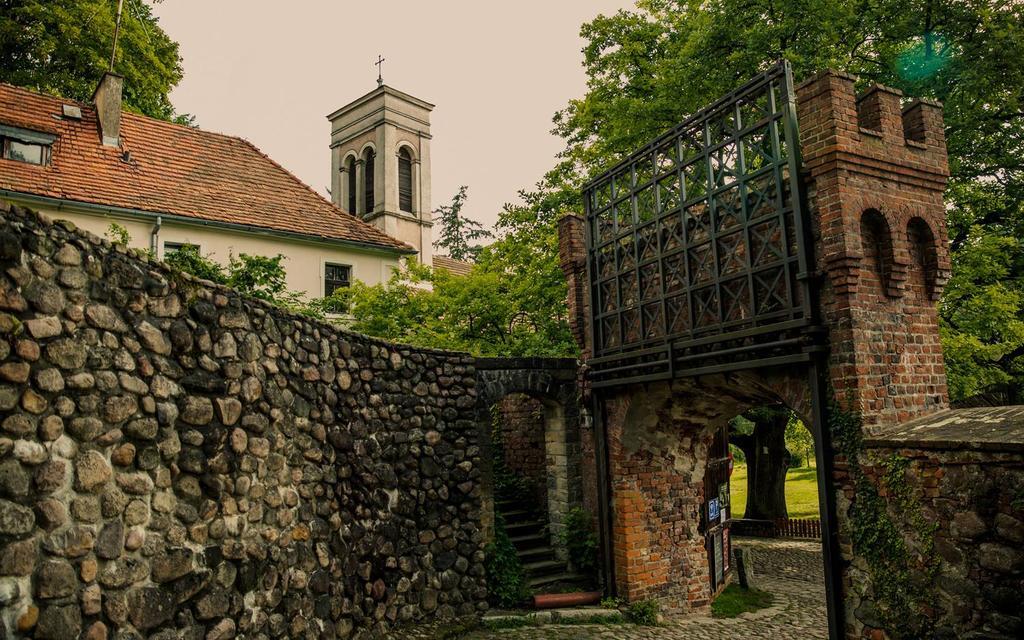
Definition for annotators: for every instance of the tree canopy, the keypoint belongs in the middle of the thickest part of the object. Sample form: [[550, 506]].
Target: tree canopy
[[63, 47]]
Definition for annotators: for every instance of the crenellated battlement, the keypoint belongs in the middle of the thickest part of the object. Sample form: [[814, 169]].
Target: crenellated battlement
[[879, 131]]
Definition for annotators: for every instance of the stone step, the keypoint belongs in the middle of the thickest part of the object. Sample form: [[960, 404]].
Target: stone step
[[535, 554], [543, 568], [525, 527], [551, 578], [529, 541], [517, 515]]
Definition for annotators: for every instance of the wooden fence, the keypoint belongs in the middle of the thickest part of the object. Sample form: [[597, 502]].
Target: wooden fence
[[779, 528]]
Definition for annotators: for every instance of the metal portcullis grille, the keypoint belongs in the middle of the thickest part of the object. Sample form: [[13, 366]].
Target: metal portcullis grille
[[698, 245]]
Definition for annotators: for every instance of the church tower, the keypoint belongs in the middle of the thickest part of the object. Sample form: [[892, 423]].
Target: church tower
[[380, 164]]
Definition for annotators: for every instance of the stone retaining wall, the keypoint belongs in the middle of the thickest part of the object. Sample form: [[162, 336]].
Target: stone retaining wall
[[179, 461]]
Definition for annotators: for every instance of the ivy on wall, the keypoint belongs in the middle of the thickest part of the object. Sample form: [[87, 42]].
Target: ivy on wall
[[901, 563]]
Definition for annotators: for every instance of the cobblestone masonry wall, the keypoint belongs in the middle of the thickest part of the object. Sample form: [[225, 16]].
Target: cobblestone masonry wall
[[179, 462]]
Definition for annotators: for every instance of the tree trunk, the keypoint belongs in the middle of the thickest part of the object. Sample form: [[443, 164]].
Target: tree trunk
[[767, 463]]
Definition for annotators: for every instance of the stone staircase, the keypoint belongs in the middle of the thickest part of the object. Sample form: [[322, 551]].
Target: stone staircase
[[528, 531]]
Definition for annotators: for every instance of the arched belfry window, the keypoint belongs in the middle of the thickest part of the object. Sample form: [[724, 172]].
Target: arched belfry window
[[350, 169], [405, 180], [369, 160]]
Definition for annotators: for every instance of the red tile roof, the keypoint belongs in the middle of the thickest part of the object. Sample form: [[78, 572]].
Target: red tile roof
[[453, 266], [173, 170]]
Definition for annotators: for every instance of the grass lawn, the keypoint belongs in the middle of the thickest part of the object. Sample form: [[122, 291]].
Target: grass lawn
[[735, 600], [801, 492]]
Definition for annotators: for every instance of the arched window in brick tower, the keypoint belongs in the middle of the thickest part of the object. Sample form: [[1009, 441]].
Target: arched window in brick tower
[[405, 180], [350, 169], [924, 258], [369, 160], [876, 245]]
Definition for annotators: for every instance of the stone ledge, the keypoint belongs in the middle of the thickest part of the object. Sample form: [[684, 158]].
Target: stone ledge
[[974, 429]]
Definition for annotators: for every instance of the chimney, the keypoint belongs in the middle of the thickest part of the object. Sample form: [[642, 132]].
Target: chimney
[[107, 99]]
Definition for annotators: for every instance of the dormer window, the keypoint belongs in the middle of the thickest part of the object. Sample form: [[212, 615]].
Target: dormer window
[[22, 145]]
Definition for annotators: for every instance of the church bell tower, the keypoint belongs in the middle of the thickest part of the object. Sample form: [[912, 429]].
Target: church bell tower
[[380, 164]]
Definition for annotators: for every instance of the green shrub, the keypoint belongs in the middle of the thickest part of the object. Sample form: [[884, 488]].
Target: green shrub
[[506, 581], [610, 603], [643, 612], [188, 259], [580, 540]]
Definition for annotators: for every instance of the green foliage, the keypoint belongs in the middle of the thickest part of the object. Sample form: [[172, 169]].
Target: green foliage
[[735, 600], [458, 233], [118, 234], [643, 612], [257, 276], [511, 304], [610, 603], [506, 581], [580, 540], [63, 47], [189, 260], [799, 442]]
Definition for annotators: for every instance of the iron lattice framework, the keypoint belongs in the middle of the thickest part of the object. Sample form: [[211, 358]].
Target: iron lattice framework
[[698, 245]]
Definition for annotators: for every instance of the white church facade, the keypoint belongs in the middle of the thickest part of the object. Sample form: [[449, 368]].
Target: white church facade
[[169, 185]]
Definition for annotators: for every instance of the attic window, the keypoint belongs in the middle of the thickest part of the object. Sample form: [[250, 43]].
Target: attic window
[[22, 145]]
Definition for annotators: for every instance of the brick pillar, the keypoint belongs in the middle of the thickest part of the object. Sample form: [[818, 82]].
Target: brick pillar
[[876, 175], [572, 256]]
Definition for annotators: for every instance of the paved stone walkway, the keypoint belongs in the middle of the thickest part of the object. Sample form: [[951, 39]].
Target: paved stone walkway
[[789, 569]]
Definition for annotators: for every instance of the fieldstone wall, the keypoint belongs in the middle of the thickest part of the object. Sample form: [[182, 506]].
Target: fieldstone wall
[[177, 461], [958, 501]]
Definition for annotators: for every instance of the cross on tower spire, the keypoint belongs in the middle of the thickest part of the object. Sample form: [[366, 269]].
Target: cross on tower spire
[[379, 63]]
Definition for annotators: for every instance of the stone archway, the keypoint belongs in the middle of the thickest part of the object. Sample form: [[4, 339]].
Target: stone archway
[[552, 382]]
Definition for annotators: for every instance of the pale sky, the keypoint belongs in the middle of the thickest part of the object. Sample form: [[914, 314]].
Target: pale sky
[[497, 71]]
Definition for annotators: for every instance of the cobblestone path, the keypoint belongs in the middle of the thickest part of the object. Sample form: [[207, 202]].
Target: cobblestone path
[[789, 569]]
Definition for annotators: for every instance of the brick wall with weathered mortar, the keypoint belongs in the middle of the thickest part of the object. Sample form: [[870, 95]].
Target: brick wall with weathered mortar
[[179, 461], [521, 420]]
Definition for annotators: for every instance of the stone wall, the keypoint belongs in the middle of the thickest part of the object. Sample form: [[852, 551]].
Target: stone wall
[[957, 498], [179, 461]]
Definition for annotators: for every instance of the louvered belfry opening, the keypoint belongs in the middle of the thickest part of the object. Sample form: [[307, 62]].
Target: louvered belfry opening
[[405, 180], [369, 160], [351, 171]]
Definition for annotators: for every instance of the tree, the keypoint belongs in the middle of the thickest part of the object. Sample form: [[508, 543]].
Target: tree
[[649, 68], [761, 435], [505, 306], [458, 233], [64, 46]]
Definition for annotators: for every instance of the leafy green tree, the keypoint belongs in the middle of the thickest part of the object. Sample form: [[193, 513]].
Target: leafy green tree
[[650, 67], [188, 259], [64, 46], [458, 233], [495, 310]]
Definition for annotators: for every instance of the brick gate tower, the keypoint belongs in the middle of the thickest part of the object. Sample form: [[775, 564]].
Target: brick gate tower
[[873, 175]]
